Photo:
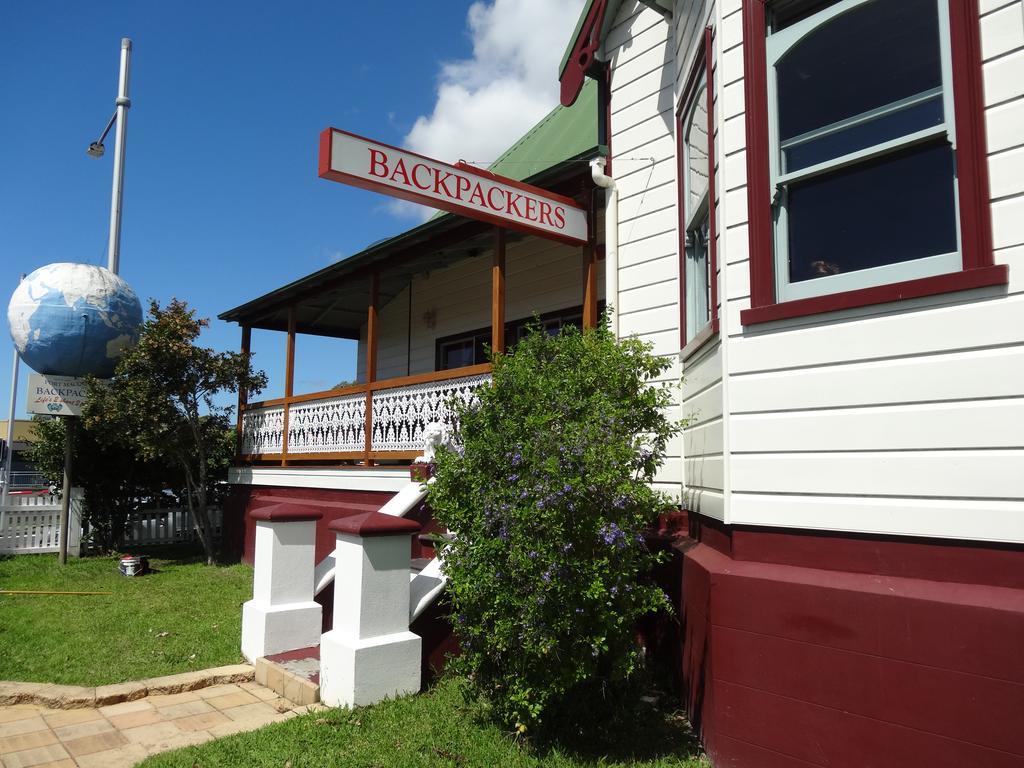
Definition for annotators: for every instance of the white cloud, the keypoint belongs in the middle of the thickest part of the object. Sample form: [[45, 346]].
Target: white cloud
[[488, 101]]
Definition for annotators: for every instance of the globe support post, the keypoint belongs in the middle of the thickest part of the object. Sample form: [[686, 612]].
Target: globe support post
[[65, 491]]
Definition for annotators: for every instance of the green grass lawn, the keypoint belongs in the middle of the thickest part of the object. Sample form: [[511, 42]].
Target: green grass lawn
[[437, 728], [183, 617]]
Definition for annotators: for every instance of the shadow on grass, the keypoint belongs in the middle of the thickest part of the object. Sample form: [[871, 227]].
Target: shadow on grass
[[185, 553], [636, 731], [600, 727]]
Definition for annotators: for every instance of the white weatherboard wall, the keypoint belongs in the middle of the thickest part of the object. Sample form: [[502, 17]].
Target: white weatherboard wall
[[640, 48], [540, 276], [905, 418]]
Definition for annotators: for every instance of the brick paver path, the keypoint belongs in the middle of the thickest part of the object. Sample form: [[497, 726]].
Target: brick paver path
[[120, 735]]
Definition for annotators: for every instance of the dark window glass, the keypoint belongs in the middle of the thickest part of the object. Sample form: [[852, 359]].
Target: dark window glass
[[457, 354], [868, 58], [784, 13], [894, 209], [905, 121]]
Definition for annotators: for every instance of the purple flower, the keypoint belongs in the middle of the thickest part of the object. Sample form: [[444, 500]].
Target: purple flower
[[517, 459], [567, 547], [532, 554], [611, 535], [546, 576], [513, 478]]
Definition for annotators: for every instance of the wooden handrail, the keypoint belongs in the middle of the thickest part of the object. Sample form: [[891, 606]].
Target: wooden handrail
[[427, 378], [360, 389], [367, 455]]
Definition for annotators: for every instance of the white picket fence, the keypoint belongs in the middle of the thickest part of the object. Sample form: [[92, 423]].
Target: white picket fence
[[32, 524], [167, 526]]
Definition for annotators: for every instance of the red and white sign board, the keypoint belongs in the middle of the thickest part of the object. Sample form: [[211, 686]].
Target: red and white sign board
[[460, 189]]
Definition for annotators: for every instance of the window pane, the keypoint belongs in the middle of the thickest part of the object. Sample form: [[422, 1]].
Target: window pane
[[874, 55], [456, 354], [894, 209], [697, 153], [698, 288], [892, 125], [479, 351]]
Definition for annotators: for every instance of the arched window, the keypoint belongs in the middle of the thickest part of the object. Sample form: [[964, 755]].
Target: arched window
[[866, 172], [696, 250]]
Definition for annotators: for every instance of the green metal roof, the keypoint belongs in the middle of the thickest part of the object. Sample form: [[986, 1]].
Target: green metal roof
[[565, 133]]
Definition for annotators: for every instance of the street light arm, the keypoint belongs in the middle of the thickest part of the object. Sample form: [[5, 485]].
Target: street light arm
[[110, 124]]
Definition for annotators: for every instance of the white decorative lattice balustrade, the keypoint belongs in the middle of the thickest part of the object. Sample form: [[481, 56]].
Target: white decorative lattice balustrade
[[332, 425], [262, 430], [400, 415]]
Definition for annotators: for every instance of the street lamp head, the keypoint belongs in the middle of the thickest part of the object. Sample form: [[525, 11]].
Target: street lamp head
[[95, 150]]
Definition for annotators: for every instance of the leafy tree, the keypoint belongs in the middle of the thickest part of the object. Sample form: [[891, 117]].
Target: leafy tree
[[163, 403], [116, 480], [547, 494]]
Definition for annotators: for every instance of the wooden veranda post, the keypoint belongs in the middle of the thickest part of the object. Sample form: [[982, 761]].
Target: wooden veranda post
[[243, 393], [289, 382], [498, 293], [371, 363], [590, 286]]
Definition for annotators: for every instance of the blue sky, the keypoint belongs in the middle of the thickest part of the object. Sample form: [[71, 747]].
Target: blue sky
[[222, 201]]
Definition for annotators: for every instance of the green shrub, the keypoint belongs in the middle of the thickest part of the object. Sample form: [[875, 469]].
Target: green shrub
[[547, 493]]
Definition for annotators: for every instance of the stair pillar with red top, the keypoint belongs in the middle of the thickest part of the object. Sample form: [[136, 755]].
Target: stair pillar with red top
[[370, 654], [282, 615]]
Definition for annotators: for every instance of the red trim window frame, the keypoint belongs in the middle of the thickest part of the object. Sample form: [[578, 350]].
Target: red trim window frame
[[702, 65], [978, 268]]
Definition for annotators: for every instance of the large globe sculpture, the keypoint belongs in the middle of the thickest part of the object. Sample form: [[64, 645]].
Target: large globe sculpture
[[73, 320]]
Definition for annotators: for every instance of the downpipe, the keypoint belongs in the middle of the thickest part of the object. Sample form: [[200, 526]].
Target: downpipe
[[611, 240]]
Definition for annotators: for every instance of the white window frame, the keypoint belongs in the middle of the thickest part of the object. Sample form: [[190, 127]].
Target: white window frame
[[777, 45], [695, 219]]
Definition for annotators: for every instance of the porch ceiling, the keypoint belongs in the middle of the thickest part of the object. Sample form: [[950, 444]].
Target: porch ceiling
[[334, 301]]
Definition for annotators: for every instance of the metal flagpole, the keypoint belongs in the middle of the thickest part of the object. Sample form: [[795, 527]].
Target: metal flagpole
[[121, 120]]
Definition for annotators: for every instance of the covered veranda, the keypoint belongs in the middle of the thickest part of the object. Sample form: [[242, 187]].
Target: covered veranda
[[380, 419]]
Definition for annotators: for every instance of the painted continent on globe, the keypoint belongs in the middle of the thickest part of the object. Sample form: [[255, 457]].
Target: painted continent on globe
[[73, 319]]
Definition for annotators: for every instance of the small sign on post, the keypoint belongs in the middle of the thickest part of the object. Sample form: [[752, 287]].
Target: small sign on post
[[56, 395]]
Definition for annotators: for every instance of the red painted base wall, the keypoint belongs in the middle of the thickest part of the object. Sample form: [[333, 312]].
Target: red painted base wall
[[810, 649], [240, 533]]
